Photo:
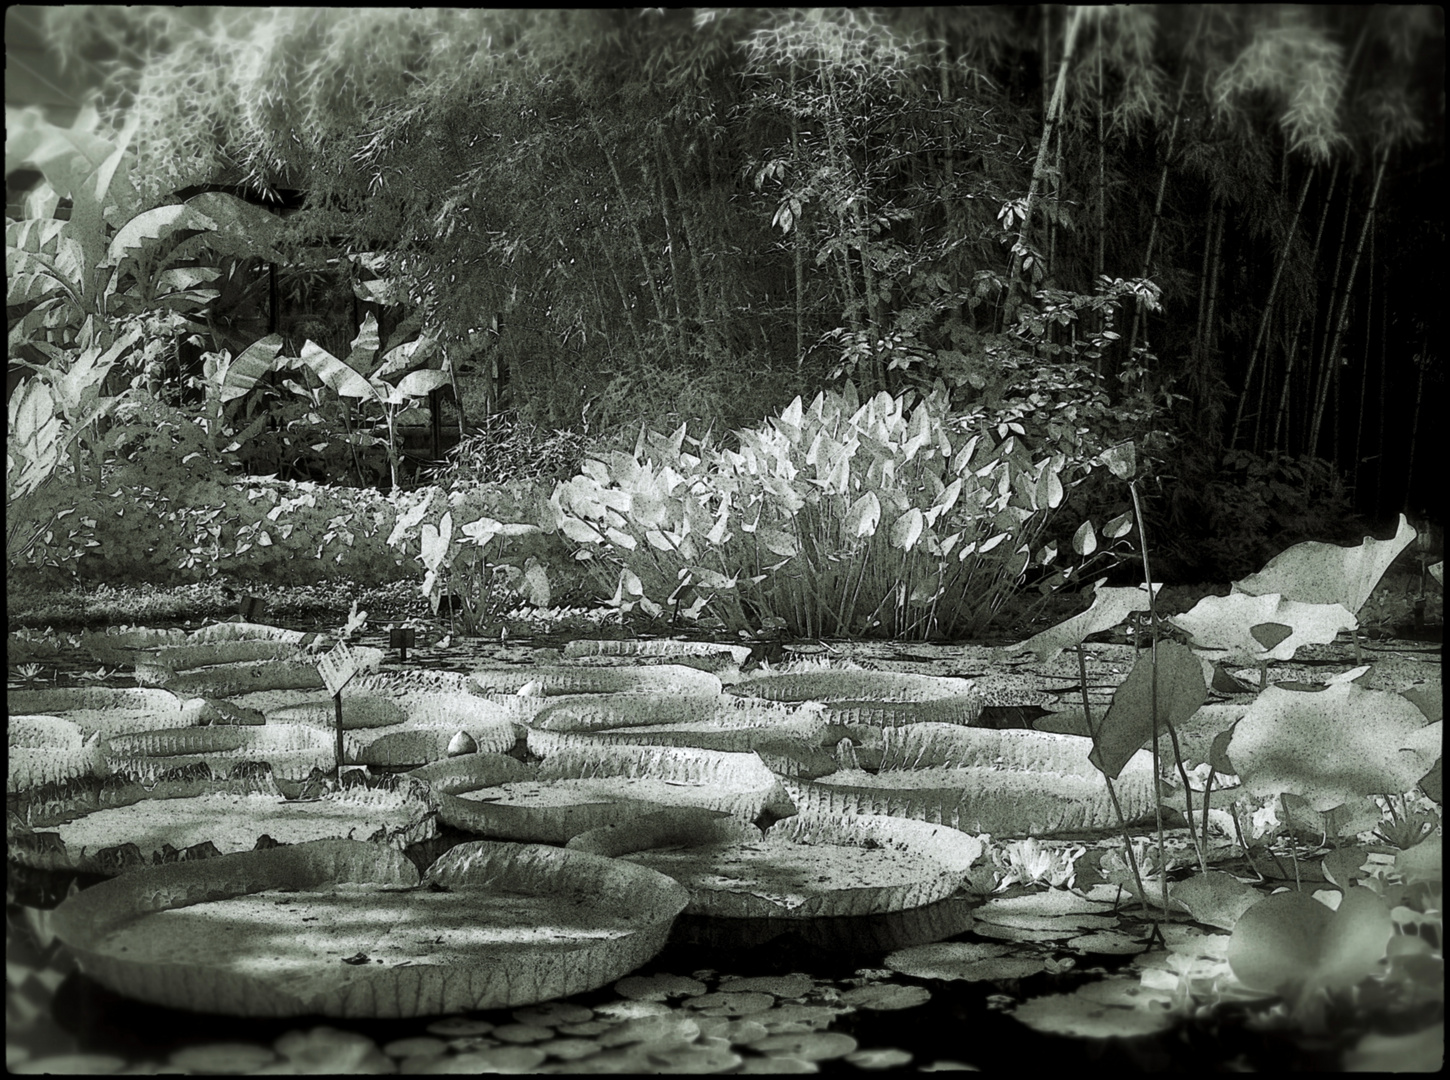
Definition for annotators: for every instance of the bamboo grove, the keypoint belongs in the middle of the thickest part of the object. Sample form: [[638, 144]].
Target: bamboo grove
[[703, 212]]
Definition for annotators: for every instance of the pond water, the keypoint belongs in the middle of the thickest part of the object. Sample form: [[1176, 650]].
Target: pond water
[[1108, 986]]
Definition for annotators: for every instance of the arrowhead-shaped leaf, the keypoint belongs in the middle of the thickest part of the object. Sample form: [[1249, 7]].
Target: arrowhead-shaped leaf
[[864, 515], [907, 530]]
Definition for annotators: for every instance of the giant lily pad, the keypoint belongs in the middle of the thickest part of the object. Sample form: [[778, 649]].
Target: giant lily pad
[[964, 777], [156, 666], [711, 723], [1317, 573], [798, 869], [293, 750], [50, 750], [1333, 746], [633, 647], [549, 681], [582, 786], [338, 928], [842, 685], [1224, 626], [152, 830]]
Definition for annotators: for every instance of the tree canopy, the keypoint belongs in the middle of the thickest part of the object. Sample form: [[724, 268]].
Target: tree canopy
[[705, 211]]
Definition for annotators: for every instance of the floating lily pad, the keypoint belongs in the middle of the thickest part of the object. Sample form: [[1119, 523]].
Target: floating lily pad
[[497, 925], [359, 712], [56, 700], [68, 758], [547, 681], [292, 750], [471, 772], [798, 869], [964, 961], [1081, 1016], [156, 666], [228, 822], [991, 796], [840, 685], [661, 647]]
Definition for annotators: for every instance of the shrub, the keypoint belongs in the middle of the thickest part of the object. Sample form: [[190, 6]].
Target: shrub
[[839, 518], [1222, 523], [509, 449]]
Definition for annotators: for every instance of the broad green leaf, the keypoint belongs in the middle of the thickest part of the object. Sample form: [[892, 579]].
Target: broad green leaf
[[1119, 526], [1122, 460], [1294, 945], [1084, 541], [1223, 625], [417, 384], [242, 373], [988, 545], [1333, 746], [1316, 573], [863, 517], [364, 346], [579, 531], [405, 356], [906, 530], [535, 586], [148, 229], [1109, 608], [240, 227], [778, 541], [336, 375], [1128, 725]]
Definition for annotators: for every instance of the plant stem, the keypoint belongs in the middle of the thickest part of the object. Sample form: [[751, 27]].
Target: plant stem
[[1113, 795], [1153, 698]]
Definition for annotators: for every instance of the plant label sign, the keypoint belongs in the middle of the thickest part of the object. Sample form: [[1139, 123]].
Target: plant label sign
[[338, 667]]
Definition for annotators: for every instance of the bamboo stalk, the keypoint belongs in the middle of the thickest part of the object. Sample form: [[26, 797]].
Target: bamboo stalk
[[670, 244], [1282, 261], [1364, 370], [633, 225], [1299, 322], [1163, 181], [1039, 168], [1331, 355]]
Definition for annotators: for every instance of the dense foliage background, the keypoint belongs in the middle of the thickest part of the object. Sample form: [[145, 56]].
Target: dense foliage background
[[1218, 217]]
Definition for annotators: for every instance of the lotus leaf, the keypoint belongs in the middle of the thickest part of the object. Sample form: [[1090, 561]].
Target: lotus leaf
[[1222, 626], [1318, 573], [1334, 746]]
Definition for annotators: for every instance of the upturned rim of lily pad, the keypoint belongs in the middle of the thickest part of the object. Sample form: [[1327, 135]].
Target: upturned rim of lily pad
[[604, 918]]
